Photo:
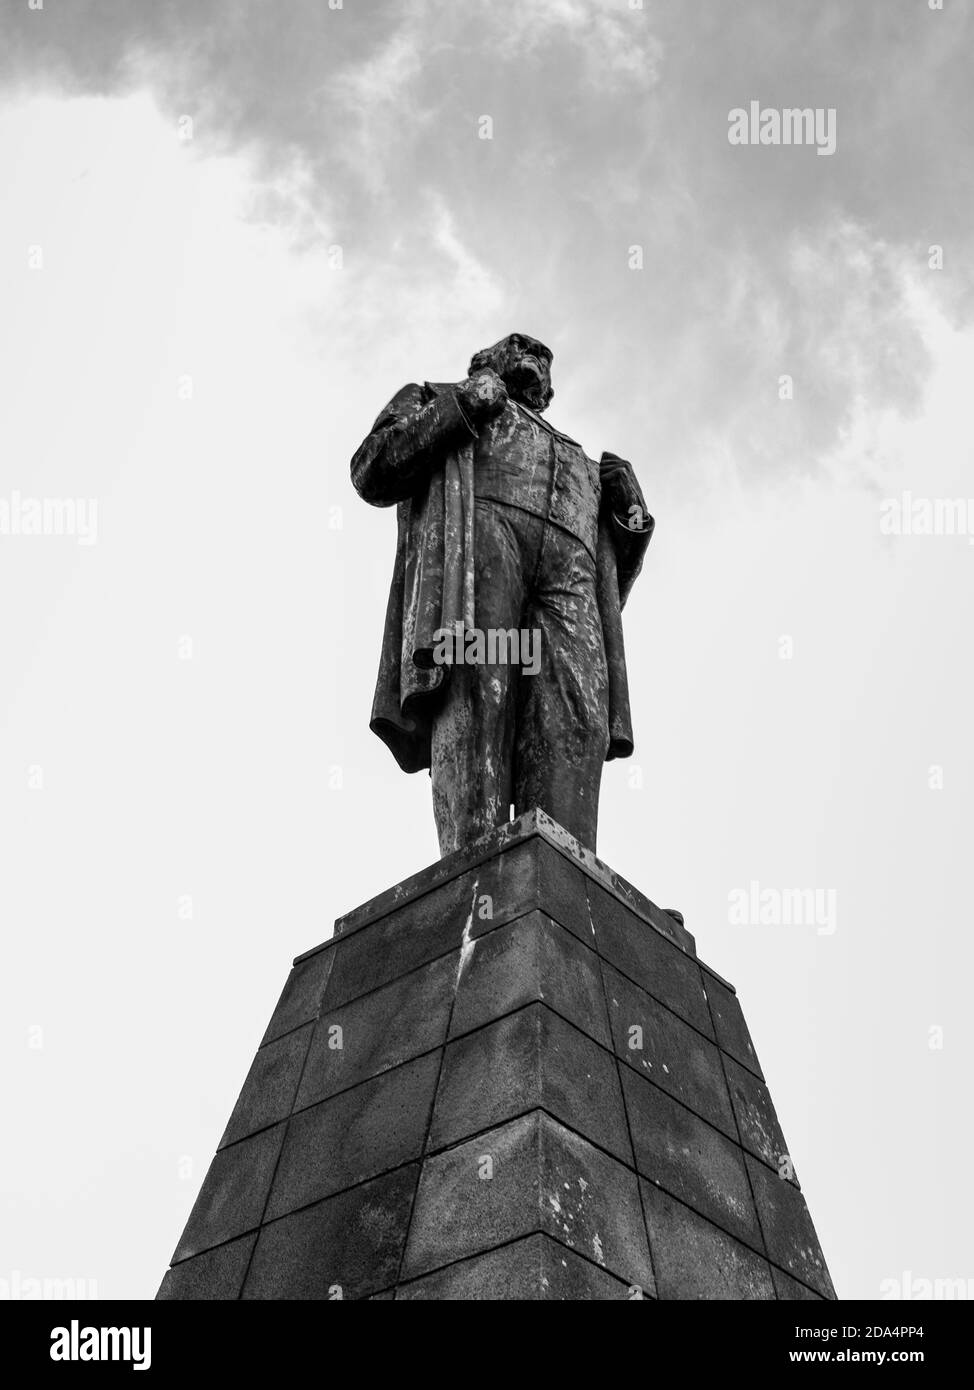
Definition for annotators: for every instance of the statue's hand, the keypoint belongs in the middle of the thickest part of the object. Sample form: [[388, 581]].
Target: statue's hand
[[482, 396], [622, 492]]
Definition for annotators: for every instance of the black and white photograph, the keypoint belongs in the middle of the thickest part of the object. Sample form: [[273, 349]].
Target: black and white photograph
[[487, 741]]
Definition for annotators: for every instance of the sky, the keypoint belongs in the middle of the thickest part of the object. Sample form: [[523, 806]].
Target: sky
[[230, 232]]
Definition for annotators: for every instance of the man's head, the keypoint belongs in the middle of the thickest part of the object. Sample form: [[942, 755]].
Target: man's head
[[524, 366]]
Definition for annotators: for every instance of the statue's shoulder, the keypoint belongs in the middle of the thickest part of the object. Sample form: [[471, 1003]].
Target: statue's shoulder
[[408, 398], [413, 393]]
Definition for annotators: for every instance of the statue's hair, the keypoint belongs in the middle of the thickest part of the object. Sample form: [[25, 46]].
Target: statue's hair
[[495, 358], [486, 357]]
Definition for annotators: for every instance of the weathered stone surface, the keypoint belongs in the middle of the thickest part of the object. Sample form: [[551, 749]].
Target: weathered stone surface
[[271, 1085], [788, 1231], [533, 875], [531, 1270], [440, 872], [591, 1203], [694, 1259], [659, 1046], [233, 1194], [532, 958], [355, 1135], [690, 1159], [471, 1138], [379, 1030], [790, 1290], [302, 993], [756, 1118], [346, 1247], [216, 1274], [646, 957], [541, 1177], [530, 1059], [475, 1196], [732, 1031], [600, 873], [385, 950], [532, 824]]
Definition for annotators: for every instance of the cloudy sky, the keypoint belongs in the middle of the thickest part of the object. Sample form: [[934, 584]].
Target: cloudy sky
[[231, 230]]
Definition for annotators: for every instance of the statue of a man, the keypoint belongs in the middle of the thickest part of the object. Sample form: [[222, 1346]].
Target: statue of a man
[[503, 669]]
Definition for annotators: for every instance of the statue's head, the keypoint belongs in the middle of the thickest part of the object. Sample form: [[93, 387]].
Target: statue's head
[[524, 366]]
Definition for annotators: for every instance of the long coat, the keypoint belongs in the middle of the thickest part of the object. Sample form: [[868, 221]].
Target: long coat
[[419, 455]]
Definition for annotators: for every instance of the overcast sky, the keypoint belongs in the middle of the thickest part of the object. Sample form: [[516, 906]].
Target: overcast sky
[[231, 231]]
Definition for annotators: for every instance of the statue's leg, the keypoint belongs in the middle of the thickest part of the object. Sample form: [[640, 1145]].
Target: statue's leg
[[473, 730], [563, 711]]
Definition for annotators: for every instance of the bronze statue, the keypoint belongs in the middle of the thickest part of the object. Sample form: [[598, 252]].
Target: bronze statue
[[503, 669]]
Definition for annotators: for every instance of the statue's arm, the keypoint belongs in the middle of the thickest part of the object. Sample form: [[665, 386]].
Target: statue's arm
[[410, 439], [630, 524]]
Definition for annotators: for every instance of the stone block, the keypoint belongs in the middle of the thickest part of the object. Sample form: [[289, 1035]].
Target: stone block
[[271, 1085], [534, 875], [695, 1259], [531, 959], [653, 962], [530, 1270], [789, 1290], [731, 1030], [356, 1135], [690, 1159], [756, 1118], [233, 1194], [376, 1031], [530, 1060], [217, 1274], [302, 994], [661, 1047], [788, 1231], [529, 1175], [382, 951], [346, 1247]]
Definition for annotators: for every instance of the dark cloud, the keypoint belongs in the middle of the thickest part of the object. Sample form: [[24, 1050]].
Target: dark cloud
[[609, 130]]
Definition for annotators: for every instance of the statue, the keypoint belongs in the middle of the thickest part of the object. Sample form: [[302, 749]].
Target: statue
[[503, 669]]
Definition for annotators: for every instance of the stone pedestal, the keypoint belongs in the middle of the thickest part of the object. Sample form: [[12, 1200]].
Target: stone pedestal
[[509, 1077]]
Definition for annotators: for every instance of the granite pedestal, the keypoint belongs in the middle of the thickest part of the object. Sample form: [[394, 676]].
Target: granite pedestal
[[509, 1077]]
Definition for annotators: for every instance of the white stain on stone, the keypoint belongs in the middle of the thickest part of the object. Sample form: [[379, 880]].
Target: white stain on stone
[[467, 943]]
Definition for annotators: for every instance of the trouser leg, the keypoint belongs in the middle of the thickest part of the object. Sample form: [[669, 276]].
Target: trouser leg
[[473, 731], [563, 711]]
